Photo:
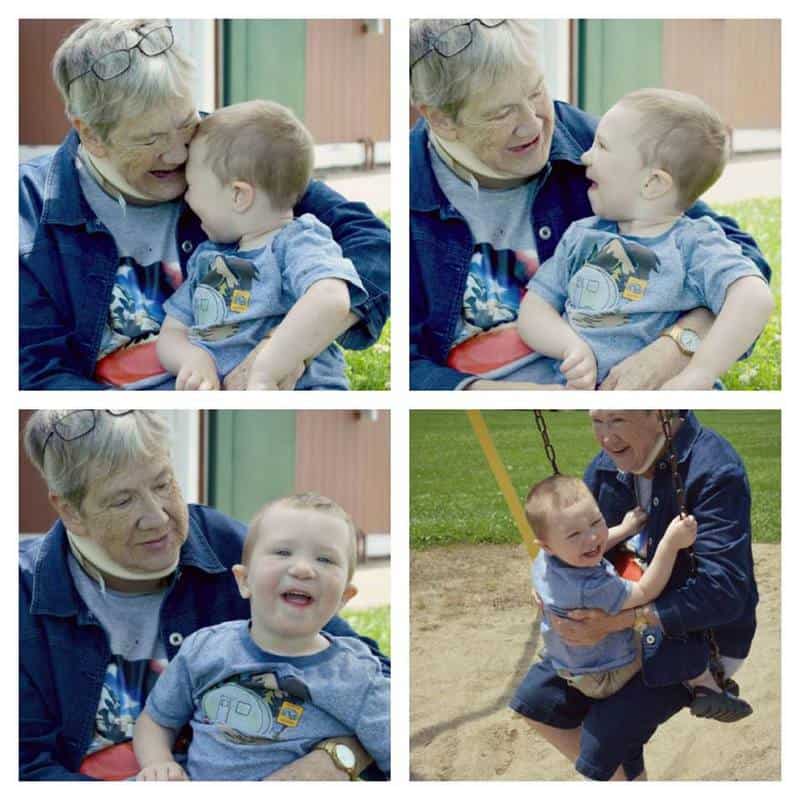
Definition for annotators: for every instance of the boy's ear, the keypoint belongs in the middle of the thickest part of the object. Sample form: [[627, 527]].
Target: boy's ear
[[443, 126], [657, 184], [348, 594], [89, 139], [240, 573], [244, 196], [70, 516]]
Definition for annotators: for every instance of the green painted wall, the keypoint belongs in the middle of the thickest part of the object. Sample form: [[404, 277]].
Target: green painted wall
[[265, 59], [251, 459], [615, 57]]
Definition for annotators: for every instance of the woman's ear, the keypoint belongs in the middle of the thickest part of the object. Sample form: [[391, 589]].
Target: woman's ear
[[443, 126], [89, 139], [240, 573], [244, 196], [70, 515]]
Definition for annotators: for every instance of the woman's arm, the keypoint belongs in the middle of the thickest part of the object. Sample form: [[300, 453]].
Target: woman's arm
[[365, 240]]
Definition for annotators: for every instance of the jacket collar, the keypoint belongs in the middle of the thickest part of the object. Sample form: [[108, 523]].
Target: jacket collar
[[682, 442], [54, 592], [425, 193], [64, 203]]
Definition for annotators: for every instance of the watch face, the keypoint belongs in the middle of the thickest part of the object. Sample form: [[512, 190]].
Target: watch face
[[345, 756], [689, 340]]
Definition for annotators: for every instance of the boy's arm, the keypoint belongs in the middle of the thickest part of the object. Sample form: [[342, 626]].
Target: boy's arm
[[543, 329], [747, 307], [311, 325], [681, 532], [152, 744], [193, 366]]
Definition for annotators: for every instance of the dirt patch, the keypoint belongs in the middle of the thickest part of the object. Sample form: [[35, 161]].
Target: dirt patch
[[474, 636]]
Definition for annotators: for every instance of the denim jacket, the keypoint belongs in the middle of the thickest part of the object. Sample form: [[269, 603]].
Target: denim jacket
[[442, 245], [64, 652], [68, 261], [722, 595]]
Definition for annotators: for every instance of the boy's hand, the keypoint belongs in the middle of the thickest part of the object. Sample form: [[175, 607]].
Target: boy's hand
[[633, 521], [198, 372], [579, 366], [165, 771], [691, 379], [682, 531]]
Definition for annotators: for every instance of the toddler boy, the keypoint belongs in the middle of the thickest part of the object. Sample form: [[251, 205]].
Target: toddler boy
[[624, 277], [570, 572], [263, 693], [262, 272]]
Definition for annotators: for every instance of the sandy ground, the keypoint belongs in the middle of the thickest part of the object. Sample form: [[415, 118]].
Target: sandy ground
[[472, 640]]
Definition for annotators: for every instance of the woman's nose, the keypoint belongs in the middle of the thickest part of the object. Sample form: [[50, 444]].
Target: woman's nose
[[586, 158], [155, 515], [178, 152]]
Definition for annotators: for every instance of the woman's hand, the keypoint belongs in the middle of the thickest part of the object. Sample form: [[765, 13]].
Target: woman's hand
[[586, 626], [650, 368]]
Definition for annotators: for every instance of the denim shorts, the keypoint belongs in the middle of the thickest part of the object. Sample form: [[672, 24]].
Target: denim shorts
[[614, 730]]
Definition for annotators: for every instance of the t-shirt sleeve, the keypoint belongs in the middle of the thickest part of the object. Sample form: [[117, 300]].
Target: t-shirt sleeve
[[714, 262], [371, 725], [551, 280], [170, 702], [604, 591], [307, 253], [179, 304]]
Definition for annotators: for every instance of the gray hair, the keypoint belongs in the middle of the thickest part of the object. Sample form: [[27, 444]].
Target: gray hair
[[148, 82], [448, 83], [112, 445]]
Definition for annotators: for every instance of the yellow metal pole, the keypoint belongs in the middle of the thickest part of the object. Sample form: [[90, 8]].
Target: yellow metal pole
[[503, 481]]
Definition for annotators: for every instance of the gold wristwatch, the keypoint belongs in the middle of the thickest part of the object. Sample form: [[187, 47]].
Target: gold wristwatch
[[640, 619], [341, 755], [687, 340]]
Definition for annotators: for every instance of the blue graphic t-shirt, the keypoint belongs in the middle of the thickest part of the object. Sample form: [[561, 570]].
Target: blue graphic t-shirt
[[149, 268], [620, 292], [138, 656], [504, 256], [253, 712]]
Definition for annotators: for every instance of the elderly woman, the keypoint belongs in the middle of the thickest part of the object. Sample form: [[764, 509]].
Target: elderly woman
[[496, 179], [605, 738], [108, 595], [105, 235]]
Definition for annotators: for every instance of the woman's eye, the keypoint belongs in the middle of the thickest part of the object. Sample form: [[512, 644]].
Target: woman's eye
[[121, 502], [282, 552], [503, 114]]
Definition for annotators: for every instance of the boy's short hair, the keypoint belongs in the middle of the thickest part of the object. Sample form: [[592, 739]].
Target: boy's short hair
[[309, 500], [682, 135], [262, 143], [551, 495]]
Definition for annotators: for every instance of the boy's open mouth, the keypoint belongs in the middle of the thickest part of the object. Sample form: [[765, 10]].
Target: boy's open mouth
[[593, 553], [297, 598]]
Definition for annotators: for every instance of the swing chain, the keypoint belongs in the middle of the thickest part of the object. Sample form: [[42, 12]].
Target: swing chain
[[677, 481], [549, 450]]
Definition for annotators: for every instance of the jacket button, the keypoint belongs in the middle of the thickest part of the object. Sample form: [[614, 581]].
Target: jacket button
[[176, 639], [545, 232], [650, 639], [655, 502], [187, 246]]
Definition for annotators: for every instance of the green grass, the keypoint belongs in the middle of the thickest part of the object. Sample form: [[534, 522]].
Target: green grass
[[761, 218], [454, 497], [369, 369], [373, 622]]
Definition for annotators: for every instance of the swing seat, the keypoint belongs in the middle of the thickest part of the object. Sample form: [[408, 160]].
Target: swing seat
[[626, 564]]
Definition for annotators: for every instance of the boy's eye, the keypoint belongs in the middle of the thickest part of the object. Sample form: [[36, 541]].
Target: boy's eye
[[282, 551], [326, 560]]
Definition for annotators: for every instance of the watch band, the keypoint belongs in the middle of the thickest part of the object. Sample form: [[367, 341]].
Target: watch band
[[333, 749]]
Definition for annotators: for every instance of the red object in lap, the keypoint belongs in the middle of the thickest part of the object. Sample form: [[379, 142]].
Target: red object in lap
[[488, 351], [115, 763], [626, 564]]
